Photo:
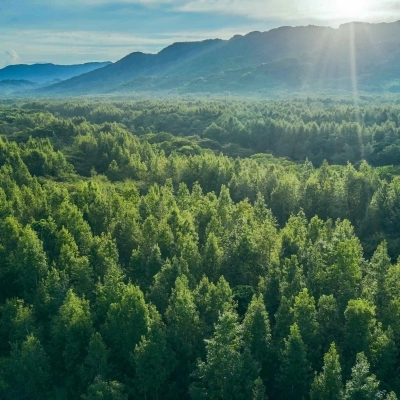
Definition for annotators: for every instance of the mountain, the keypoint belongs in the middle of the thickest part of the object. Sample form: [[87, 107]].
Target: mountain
[[42, 73], [355, 55], [9, 86]]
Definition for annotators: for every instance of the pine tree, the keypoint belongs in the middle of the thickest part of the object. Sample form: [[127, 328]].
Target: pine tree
[[27, 371], [283, 321], [153, 360], [360, 326], [70, 333], [228, 373], [374, 282], [330, 327], [212, 258], [164, 281], [30, 262], [257, 334], [96, 361], [183, 332], [305, 316], [292, 280], [328, 384], [294, 373], [105, 390], [126, 322], [259, 390], [77, 267], [362, 385], [211, 300]]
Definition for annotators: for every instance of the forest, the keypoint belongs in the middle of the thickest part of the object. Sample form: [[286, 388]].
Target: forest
[[200, 249]]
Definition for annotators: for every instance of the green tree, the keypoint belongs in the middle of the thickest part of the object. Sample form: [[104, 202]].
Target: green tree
[[70, 334], [110, 291], [183, 332], [228, 372], [257, 334], [330, 326], [259, 390], [27, 371], [283, 321], [153, 360], [96, 361], [359, 328], [284, 198], [127, 321], [344, 275], [305, 316], [328, 384], [292, 279], [103, 255], [77, 267], [374, 281], [105, 390], [17, 321], [212, 258], [362, 385], [294, 374], [211, 300], [51, 293], [164, 281], [383, 355], [30, 262]]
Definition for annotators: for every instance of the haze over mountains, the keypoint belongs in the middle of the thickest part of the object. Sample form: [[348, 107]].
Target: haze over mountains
[[287, 58], [356, 55], [23, 77]]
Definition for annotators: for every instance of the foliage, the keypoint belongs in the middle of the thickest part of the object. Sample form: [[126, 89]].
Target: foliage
[[135, 263]]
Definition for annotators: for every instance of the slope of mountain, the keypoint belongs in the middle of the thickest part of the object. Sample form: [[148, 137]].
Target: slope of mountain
[[9, 86], [356, 55], [42, 73], [22, 86]]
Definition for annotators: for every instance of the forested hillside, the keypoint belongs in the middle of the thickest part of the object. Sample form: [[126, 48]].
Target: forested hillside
[[200, 250], [44, 73], [290, 59]]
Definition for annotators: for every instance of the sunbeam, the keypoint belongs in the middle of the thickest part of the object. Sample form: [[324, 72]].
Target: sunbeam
[[354, 82]]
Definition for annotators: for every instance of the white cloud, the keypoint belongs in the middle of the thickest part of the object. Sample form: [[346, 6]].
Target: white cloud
[[292, 10], [12, 56], [112, 40], [67, 47], [59, 45], [284, 10]]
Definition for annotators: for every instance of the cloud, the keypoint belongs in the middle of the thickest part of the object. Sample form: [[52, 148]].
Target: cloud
[[284, 10], [51, 30], [12, 56], [257, 10], [288, 10], [299, 12], [391, 8], [68, 47]]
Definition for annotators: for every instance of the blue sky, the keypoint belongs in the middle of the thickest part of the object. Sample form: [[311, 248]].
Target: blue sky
[[75, 31]]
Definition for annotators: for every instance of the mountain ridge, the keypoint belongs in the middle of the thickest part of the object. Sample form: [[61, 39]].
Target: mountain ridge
[[47, 72], [257, 62]]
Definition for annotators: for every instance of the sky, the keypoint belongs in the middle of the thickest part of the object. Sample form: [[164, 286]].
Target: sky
[[77, 31]]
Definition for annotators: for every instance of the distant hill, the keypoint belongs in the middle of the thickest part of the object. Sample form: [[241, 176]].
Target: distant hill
[[9, 86], [42, 73], [287, 58]]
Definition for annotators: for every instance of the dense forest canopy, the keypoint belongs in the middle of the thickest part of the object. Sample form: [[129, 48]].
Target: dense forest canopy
[[200, 249]]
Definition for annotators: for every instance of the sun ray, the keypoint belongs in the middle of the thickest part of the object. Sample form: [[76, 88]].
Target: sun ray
[[354, 82]]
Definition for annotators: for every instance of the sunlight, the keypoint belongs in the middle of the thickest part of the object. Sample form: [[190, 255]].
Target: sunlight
[[350, 8]]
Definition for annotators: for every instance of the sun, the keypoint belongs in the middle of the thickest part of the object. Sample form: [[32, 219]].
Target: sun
[[350, 8]]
